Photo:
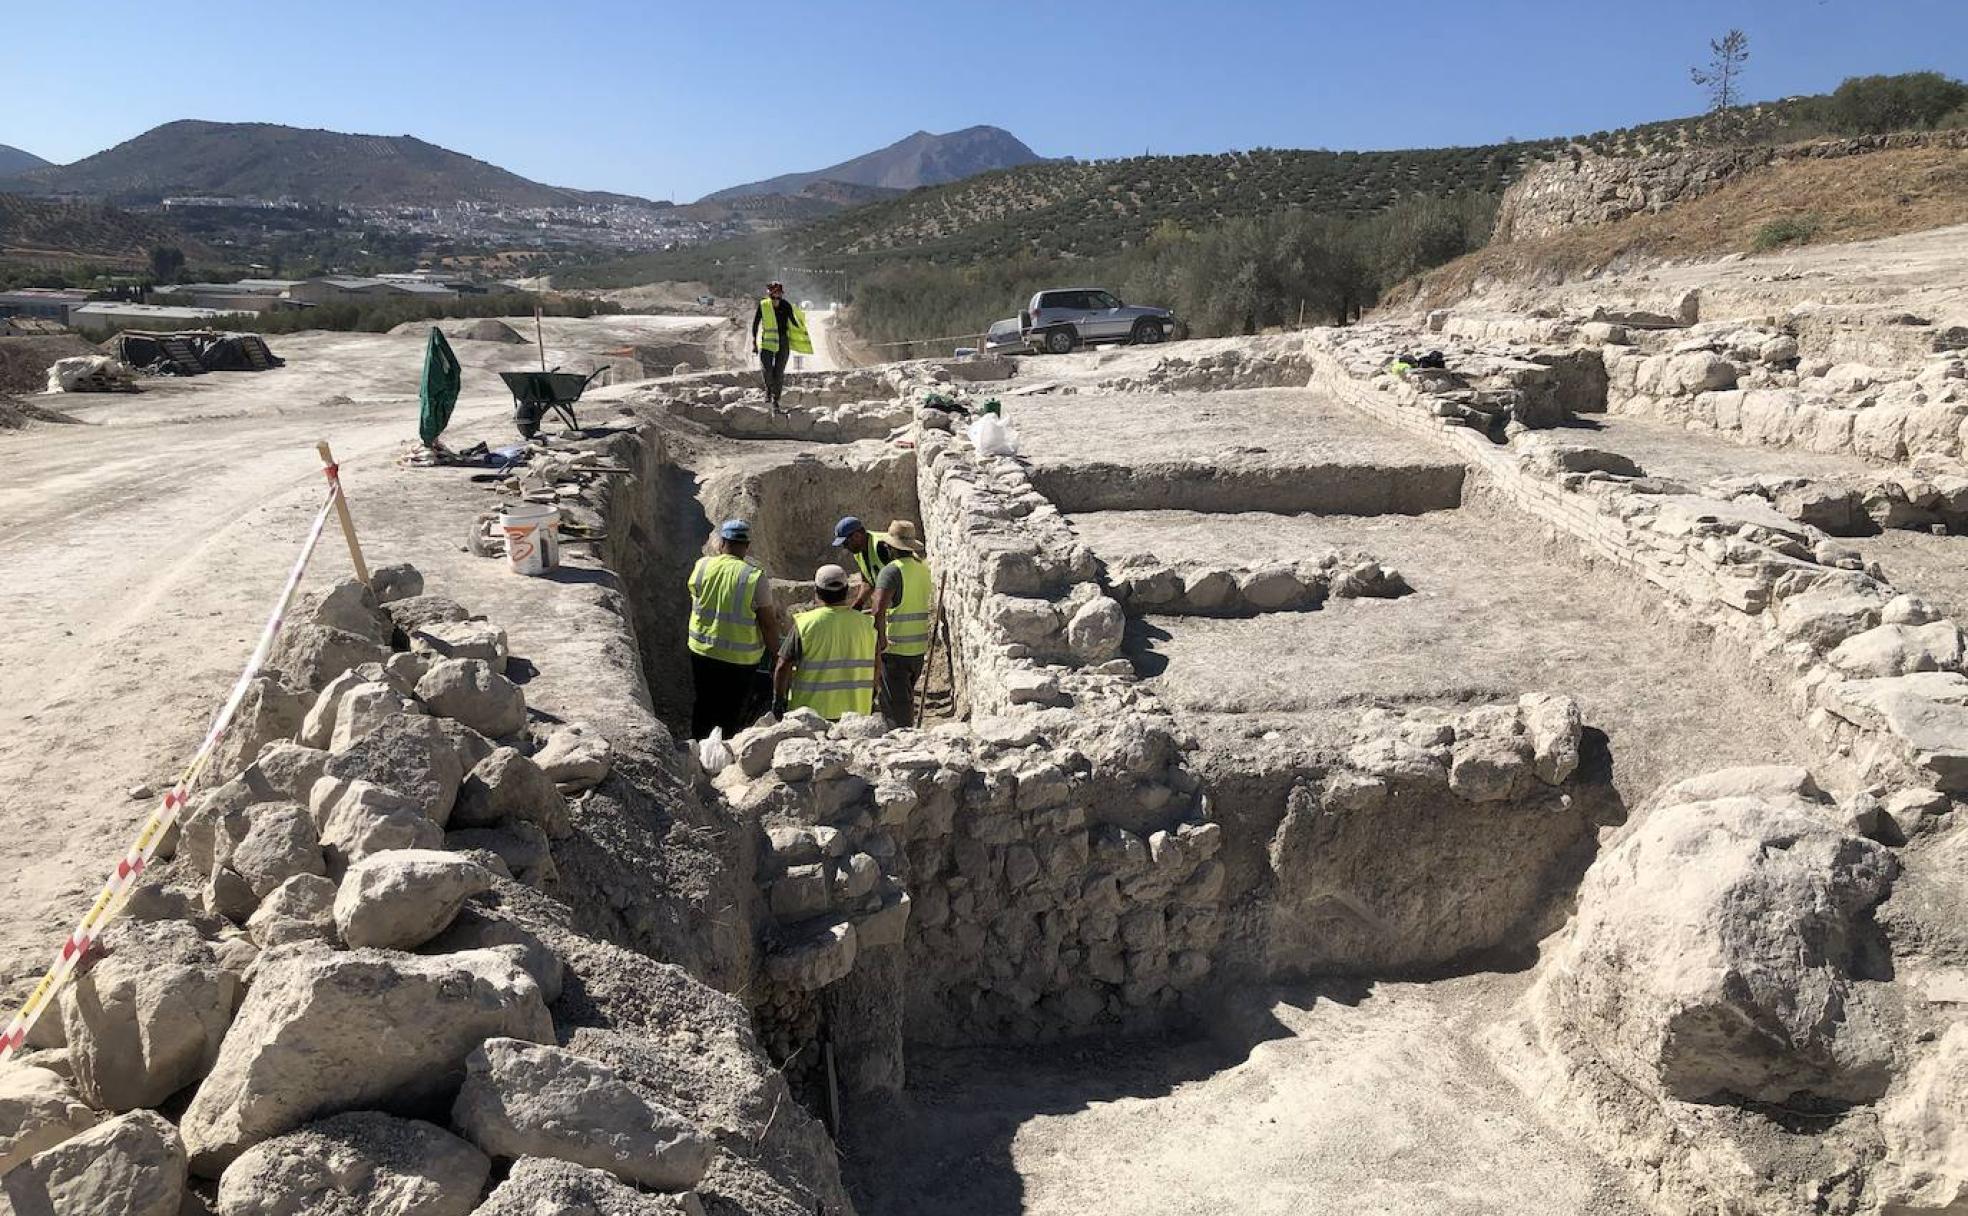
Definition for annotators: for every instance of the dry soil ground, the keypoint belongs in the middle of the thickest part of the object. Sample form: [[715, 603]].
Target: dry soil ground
[[142, 552]]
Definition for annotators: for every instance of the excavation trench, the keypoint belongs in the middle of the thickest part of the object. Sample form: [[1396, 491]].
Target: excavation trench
[[1265, 824]]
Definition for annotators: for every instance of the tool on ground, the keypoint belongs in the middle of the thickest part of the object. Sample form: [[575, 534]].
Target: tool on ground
[[935, 623], [333, 472], [540, 337]]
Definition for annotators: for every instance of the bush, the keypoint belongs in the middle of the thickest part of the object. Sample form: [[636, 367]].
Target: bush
[[1872, 105], [1795, 230]]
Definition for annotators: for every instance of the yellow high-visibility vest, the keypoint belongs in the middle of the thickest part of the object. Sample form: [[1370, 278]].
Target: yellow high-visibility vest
[[724, 609], [907, 620], [868, 560], [769, 328], [836, 672]]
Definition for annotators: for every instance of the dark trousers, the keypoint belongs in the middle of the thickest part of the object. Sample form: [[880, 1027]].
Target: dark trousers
[[899, 676], [722, 690], [773, 363]]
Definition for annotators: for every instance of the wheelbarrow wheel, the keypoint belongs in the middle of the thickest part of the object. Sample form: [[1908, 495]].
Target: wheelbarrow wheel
[[526, 416]]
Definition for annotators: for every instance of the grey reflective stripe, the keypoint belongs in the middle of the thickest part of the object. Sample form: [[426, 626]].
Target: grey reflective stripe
[[832, 685], [714, 641], [729, 618], [908, 616], [839, 665]]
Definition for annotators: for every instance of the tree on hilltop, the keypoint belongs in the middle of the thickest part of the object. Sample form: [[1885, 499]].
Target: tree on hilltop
[[1722, 76]]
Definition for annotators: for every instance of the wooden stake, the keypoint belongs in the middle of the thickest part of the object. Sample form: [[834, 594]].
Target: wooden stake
[[539, 336], [333, 470]]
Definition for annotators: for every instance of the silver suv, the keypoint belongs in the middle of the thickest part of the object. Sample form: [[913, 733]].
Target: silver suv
[[1060, 320]]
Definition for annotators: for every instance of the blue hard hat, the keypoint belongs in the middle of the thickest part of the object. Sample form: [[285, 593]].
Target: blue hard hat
[[846, 528], [735, 529]]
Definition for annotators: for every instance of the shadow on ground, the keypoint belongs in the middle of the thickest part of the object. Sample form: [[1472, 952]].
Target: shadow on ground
[[946, 1145]]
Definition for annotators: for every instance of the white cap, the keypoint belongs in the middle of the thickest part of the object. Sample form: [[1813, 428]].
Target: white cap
[[830, 578]]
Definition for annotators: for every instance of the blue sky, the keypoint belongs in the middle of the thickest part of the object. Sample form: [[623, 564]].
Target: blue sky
[[675, 100]]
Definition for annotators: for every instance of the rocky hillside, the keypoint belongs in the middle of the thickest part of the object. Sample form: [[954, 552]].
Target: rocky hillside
[[1583, 216], [921, 159], [1581, 189], [14, 160], [265, 160]]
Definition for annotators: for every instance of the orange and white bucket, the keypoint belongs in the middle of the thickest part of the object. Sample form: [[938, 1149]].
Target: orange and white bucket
[[532, 538]]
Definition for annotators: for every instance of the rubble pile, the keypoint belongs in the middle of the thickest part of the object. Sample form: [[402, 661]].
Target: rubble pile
[[349, 989]]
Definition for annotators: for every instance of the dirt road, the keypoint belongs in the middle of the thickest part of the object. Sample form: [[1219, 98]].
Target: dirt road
[[141, 553]]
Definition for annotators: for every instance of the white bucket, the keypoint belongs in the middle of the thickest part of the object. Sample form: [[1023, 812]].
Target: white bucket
[[532, 542]]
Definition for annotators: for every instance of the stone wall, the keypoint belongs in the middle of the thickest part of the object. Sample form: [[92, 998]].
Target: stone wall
[[1887, 701], [1582, 188], [1029, 621]]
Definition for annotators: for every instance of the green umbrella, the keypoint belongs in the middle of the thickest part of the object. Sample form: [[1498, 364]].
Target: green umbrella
[[439, 392]]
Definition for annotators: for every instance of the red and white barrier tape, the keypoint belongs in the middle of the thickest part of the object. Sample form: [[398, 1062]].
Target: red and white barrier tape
[[111, 899]]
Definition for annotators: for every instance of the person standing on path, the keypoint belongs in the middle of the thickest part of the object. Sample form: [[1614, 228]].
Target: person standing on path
[[829, 659], [732, 627], [778, 330], [902, 608]]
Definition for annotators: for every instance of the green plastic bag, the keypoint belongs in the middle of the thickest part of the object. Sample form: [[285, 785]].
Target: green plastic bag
[[439, 392]]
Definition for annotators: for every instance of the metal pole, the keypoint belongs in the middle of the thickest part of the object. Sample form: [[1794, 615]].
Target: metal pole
[[539, 337], [334, 474]]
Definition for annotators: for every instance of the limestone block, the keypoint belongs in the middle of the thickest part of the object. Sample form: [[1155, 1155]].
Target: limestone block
[[576, 757], [279, 844], [397, 581], [463, 640], [38, 1109], [146, 1020], [410, 754], [524, 1100], [365, 707], [508, 786], [801, 893], [538, 1186], [822, 958], [470, 691], [376, 1026], [1713, 953], [133, 1165], [363, 1161], [402, 898], [357, 819], [1896, 650], [414, 612], [300, 909], [1554, 726], [1822, 617], [311, 655], [352, 608], [1096, 629]]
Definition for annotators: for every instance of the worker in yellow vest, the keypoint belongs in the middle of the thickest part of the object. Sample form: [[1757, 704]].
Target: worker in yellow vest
[[778, 330], [828, 661], [902, 608], [732, 627], [868, 551]]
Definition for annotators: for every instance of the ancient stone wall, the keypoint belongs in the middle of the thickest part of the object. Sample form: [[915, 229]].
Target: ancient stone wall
[[1582, 188], [1883, 697]]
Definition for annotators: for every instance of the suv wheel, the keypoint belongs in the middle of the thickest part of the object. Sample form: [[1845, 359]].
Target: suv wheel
[[1147, 332], [1061, 341]]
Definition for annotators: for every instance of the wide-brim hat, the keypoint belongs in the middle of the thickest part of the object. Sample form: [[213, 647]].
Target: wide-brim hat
[[902, 535]]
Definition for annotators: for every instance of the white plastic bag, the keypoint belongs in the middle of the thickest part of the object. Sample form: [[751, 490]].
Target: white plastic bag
[[992, 436], [712, 752]]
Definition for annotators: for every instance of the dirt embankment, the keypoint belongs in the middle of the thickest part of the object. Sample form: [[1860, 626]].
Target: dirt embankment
[[1782, 206], [24, 361]]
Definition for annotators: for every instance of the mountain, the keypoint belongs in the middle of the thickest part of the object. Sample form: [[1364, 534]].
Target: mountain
[[920, 160], [13, 160], [264, 160]]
